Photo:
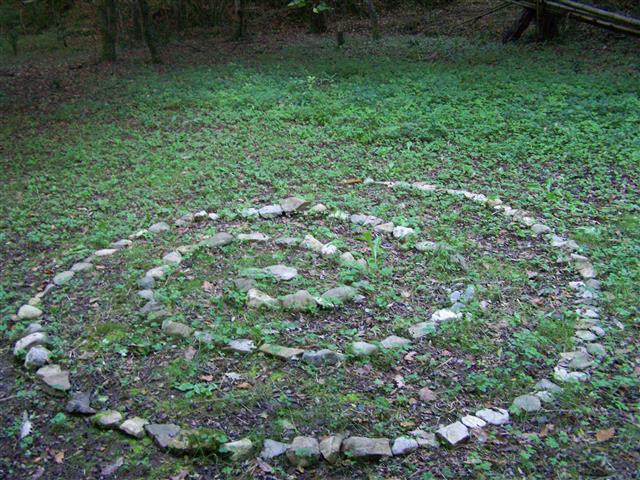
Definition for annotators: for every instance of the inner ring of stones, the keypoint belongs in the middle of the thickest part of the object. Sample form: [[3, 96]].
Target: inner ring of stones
[[499, 412]]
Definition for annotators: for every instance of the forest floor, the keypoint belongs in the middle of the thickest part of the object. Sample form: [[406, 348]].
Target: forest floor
[[101, 154]]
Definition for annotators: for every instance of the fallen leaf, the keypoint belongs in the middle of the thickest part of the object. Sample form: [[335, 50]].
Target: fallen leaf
[[59, 457], [189, 353], [547, 429], [410, 356], [181, 476], [110, 468], [352, 181], [427, 395], [399, 379], [244, 386], [208, 287], [264, 466], [206, 378], [606, 434]]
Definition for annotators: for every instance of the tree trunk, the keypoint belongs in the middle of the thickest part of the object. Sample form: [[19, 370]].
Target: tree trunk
[[147, 30], [180, 15], [517, 29], [108, 11], [318, 20], [373, 17], [239, 28], [137, 22]]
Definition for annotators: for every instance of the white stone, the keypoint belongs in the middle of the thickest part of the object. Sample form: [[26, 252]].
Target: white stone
[[120, 244], [366, 220], [494, 416], [172, 258], [272, 449], [253, 237], [29, 312], [25, 343], [270, 211], [538, 228], [81, 267], [454, 433], [329, 249], [157, 272], [36, 357], [159, 227], [384, 228], [444, 315], [63, 277], [313, 244], [393, 341], [402, 232], [282, 272], [134, 426], [258, 299], [528, 403], [472, 421], [403, 446], [319, 208], [242, 345], [363, 348], [105, 252], [239, 450]]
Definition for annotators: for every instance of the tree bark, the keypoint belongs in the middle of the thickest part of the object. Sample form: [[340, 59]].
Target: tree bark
[[520, 25], [108, 11], [147, 31], [373, 17], [239, 29], [137, 22], [318, 21]]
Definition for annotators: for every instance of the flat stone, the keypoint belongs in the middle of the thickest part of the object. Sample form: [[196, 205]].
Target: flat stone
[[318, 208], [33, 328], [185, 249], [384, 227], [280, 351], [82, 267], [404, 446], [402, 232], [218, 240], [34, 301], [288, 241], [139, 233], [25, 343], [134, 427], [146, 294], [366, 448], [184, 220], [425, 439], [63, 277], [494, 416], [244, 284], [157, 272], [596, 349], [322, 357], [563, 375], [363, 349], [249, 212], [29, 312], [584, 266], [454, 433], [242, 345], [339, 295], [330, 448], [299, 301], [252, 237], [292, 204], [426, 395], [120, 244], [422, 329], [347, 257], [444, 315], [80, 403], [270, 211], [162, 433], [304, 452], [177, 329], [311, 243], [581, 361], [393, 342], [427, 246], [599, 331], [105, 252], [366, 220], [152, 306], [548, 385], [159, 227], [272, 449], [259, 299], [528, 403], [329, 250], [471, 421], [545, 396], [146, 282], [539, 228], [239, 450], [282, 272], [172, 258], [586, 335], [107, 419], [36, 357]]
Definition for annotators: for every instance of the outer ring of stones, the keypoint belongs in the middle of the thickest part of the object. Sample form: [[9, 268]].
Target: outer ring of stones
[[304, 451]]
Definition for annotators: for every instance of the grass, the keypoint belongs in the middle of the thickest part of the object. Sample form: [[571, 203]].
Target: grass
[[545, 128]]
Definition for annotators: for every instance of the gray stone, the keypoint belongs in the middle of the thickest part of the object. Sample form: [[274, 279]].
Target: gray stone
[[239, 450], [472, 421], [347, 257], [402, 232], [339, 295], [528, 403], [159, 227], [33, 328], [366, 220], [29, 312], [586, 335], [177, 329], [454, 433], [404, 445], [252, 237], [146, 282], [330, 448], [105, 252], [318, 208], [244, 284], [422, 329], [162, 433], [425, 439], [545, 396], [184, 220], [134, 427], [280, 351], [63, 277], [548, 385], [185, 249], [366, 448], [172, 258], [584, 266], [599, 331], [218, 240], [259, 299], [146, 294], [25, 343], [444, 315], [494, 416], [292, 204], [80, 403], [270, 211], [394, 342], [322, 357], [304, 452], [35, 301], [281, 272], [82, 267], [427, 246], [581, 361], [596, 349], [152, 306], [107, 419], [384, 228], [36, 357], [249, 212], [242, 345], [363, 349], [158, 272], [538, 228], [311, 243], [329, 250], [272, 449], [299, 301], [120, 244], [139, 233], [288, 241], [563, 375]]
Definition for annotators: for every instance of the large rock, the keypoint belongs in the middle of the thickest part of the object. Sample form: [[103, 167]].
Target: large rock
[[270, 211], [299, 301], [494, 416], [29, 312], [527, 403], [218, 240], [363, 349], [37, 356], [80, 403], [162, 433], [395, 342], [454, 433], [292, 204], [31, 340], [239, 450], [404, 445], [286, 353], [134, 427], [159, 227], [259, 299], [107, 419], [322, 357], [339, 295], [63, 277], [177, 329], [364, 447], [304, 452], [330, 448], [281, 272], [272, 449]]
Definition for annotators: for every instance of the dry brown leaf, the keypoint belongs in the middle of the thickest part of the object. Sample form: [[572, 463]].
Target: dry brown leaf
[[59, 457], [606, 434], [181, 476], [547, 429], [208, 287], [206, 378], [189, 353], [245, 386], [352, 181]]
